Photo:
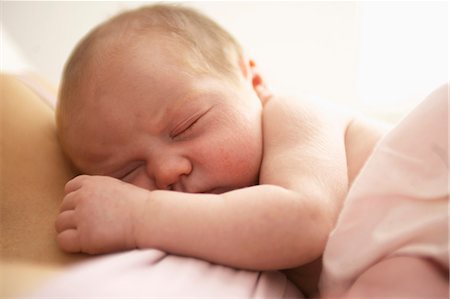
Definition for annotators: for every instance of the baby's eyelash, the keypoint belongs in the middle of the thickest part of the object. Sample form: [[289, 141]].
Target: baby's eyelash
[[188, 124], [123, 176], [184, 129], [126, 170]]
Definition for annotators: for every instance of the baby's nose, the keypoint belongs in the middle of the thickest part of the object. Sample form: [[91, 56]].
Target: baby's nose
[[168, 172]]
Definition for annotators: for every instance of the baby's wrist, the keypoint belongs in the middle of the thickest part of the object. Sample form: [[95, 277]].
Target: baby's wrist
[[144, 220]]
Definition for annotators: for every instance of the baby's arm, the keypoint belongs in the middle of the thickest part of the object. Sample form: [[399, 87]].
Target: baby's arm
[[305, 152], [282, 223], [254, 228]]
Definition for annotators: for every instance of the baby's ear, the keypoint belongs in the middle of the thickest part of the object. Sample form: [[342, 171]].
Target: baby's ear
[[252, 74]]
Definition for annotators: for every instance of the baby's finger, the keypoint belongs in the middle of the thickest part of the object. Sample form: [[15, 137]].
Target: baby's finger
[[74, 184], [65, 221], [69, 240], [69, 202]]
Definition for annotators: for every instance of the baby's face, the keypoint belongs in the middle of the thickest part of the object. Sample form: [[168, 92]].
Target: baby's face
[[150, 122]]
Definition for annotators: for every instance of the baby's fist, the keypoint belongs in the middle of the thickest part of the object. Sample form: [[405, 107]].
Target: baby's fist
[[98, 215]]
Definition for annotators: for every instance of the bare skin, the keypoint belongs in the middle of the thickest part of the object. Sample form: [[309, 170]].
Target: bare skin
[[201, 166], [361, 137]]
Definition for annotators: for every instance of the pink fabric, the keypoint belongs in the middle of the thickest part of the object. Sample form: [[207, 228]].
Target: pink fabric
[[398, 205], [155, 274]]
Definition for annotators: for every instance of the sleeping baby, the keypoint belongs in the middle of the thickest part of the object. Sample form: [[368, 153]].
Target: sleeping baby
[[185, 149]]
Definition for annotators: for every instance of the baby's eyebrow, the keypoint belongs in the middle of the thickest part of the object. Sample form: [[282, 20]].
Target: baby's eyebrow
[[183, 107]]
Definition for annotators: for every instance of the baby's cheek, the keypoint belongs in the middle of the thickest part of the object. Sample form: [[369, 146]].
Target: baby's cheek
[[142, 180], [243, 164], [226, 159]]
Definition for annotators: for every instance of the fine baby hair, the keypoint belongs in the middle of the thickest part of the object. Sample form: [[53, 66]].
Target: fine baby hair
[[208, 48]]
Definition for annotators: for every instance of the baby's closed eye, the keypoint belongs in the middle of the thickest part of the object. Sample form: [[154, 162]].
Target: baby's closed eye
[[185, 127]]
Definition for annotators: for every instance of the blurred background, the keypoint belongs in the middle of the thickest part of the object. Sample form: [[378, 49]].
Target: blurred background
[[380, 57]]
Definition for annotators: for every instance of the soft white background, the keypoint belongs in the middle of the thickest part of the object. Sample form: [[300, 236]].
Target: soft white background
[[381, 57]]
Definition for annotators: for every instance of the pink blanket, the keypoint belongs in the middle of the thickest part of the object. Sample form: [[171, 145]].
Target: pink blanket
[[398, 205], [155, 274]]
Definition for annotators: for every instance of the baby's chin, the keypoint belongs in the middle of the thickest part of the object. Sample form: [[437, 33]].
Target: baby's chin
[[218, 190]]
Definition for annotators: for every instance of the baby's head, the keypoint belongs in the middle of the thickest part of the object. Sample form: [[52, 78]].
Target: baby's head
[[163, 98]]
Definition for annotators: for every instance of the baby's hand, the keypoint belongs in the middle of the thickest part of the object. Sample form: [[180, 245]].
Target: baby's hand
[[98, 215]]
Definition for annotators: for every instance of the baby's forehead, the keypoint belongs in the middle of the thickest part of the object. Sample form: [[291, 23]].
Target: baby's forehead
[[114, 49]]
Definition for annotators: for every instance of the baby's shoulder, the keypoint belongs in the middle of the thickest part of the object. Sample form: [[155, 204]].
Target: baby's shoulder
[[362, 135]]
